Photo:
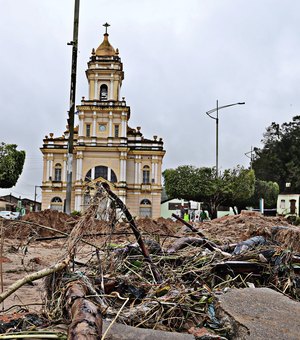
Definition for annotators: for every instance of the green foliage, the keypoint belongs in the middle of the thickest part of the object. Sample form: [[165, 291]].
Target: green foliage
[[202, 185], [268, 191], [11, 164], [75, 213], [279, 159]]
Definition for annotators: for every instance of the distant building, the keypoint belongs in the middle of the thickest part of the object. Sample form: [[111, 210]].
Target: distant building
[[105, 147], [288, 204], [12, 203]]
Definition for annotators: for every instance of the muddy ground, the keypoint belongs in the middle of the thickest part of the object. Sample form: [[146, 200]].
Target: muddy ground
[[25, 249]]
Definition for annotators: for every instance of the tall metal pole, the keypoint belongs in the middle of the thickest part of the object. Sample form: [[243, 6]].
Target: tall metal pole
[[217, 139], [74, 43], [209, 113]]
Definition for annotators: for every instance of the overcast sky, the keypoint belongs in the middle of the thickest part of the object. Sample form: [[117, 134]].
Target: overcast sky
[[179, 57]]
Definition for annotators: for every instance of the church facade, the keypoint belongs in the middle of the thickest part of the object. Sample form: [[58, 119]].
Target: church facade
[[105, 147]]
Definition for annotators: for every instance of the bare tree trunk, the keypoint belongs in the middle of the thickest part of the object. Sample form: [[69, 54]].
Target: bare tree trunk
[[86, 317]]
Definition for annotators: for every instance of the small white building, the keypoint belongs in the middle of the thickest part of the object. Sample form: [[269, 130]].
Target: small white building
[[288, 204]]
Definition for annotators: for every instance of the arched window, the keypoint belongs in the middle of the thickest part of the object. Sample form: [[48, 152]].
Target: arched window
[[56, 200], [146, 174], [56, 204], [145, 202], [101, 171], [145, 208], [103, 92], [57, 172]]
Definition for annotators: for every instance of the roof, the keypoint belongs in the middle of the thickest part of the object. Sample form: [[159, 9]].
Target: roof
[[105, 48]]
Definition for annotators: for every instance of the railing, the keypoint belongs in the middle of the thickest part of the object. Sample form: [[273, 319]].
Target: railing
[[107, 103]]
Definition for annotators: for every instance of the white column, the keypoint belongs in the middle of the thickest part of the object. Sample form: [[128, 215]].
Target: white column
[[78, 169], [109, 174], [64, 170], [94, 124], [121, 170], [110, 132], [155, 173], [139, 173], [124, 169], [48, 170], [96, 88], [111, 89], [135, 172], [78, 202], [93, 173], [80, 132], [51, 168]]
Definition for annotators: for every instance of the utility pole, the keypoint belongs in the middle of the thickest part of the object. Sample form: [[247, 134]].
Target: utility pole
[[74, 43], [251, 156]]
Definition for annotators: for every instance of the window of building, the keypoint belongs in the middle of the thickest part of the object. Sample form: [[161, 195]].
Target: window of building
[[57, 172], [117, 128], [146, 174], [101, 171], [103, 92], [102, 127], [145, 208], [56, 204], [88, 130], [174, 206], [282, 204]]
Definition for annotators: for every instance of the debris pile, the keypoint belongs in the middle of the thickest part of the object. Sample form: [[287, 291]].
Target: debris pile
[[159, 275]]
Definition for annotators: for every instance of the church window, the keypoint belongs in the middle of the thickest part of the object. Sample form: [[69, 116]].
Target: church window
[[57, 172], [101, 171], [102, 127], [88, 130], [146, 174], [56, 204], [103, 92], [117, 128], [145, 208]]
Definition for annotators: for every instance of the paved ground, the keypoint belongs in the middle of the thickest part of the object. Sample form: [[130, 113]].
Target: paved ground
[[261, 313]]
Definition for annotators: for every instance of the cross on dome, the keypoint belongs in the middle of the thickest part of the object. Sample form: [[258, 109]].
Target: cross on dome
[[106, 25]]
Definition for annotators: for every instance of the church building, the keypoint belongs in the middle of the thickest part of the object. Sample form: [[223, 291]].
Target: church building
[[105, 147]]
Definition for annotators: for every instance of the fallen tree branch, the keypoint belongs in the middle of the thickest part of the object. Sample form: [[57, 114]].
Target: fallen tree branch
[[34, 276], [191, 241], [198, 232], [85, 315], [135, 230]]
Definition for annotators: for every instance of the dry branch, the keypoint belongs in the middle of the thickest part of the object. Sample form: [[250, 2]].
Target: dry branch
[[135, 230], [193, 229]]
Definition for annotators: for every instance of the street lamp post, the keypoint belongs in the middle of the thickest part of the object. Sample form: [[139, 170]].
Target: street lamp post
[[216, 118]]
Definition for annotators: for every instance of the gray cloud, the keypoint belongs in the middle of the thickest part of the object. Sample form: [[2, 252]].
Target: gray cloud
[[179, 58]]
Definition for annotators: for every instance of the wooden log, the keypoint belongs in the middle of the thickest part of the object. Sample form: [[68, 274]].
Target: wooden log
[[193, 241], [86, 320], [249, 244]]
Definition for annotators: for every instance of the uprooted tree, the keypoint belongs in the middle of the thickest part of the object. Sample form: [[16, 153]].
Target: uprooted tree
[[11, 164], [230, 187]]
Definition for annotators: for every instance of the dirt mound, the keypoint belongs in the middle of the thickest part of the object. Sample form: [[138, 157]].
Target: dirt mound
[[230, 229], [31, 222]]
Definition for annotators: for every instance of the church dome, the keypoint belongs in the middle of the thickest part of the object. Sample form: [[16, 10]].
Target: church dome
[[105, 48]]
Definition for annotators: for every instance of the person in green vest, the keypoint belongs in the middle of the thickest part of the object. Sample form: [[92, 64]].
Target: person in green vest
[[186, 217]]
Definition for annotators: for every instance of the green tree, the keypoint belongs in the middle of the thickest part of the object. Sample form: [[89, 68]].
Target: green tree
[[279, 158], [268, 191], [202, 185], [11, 164]]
